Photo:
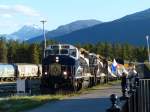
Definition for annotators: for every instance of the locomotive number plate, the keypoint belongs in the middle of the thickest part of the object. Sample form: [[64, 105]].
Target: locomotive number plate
[[55, 69]]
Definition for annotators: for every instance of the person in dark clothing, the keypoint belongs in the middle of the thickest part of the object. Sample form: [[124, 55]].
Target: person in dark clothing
[[124, 84]]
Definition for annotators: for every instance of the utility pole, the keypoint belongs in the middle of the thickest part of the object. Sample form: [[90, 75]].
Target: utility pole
[[147, 38], [43, 22]]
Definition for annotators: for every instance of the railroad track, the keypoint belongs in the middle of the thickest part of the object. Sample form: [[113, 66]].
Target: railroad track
[[7, 88]]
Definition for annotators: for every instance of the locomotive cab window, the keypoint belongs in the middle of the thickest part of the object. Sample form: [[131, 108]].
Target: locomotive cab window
[[48, 52], [51, 52], [64, 51], [73, 52], [56, 51]]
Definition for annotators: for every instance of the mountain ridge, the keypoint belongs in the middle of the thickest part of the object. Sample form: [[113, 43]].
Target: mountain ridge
[[26, 32], [128, 29], [68, 28]]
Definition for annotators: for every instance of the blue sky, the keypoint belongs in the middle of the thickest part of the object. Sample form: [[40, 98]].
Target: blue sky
[[16, 13]]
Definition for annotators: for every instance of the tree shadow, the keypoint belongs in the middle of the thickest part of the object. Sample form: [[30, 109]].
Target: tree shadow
[[76, 105]]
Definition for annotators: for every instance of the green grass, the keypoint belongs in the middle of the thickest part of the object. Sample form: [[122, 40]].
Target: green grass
[[101, 86], [22, 103], [147, 65]]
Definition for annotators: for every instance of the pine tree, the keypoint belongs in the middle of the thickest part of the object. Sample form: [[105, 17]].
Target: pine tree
[[22, 53], [34, 54], [100, 48], [88, 47], [3, 50], [11, 55]]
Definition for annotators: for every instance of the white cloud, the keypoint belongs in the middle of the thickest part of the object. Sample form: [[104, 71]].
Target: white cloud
[[6, 15], [17, 9], [8, 23]]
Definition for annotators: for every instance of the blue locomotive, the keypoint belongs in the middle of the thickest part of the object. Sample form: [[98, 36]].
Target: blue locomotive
[[65, 66]]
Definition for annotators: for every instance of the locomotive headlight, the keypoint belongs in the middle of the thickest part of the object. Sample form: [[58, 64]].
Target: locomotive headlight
[[64, 73], [45, 73], [57, 59]]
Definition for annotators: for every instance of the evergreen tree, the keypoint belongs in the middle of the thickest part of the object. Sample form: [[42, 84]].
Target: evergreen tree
[[116, 50], [16, 52], [3, 50], [34, 54], [11, 55], [145, 56], [78, 45], [100, 49], [108, 50], [88, 47], [22, 53], [50, 42]]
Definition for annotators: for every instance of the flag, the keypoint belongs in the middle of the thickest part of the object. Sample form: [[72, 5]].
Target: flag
[[114, 66], [110, 72]]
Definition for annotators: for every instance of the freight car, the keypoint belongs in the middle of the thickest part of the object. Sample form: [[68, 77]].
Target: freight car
[[28, 70], [10, 72], [7, 72], [96, 68], [66, 66]]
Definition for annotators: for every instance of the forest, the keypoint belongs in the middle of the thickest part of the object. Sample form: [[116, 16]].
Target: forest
[[12, 51]]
